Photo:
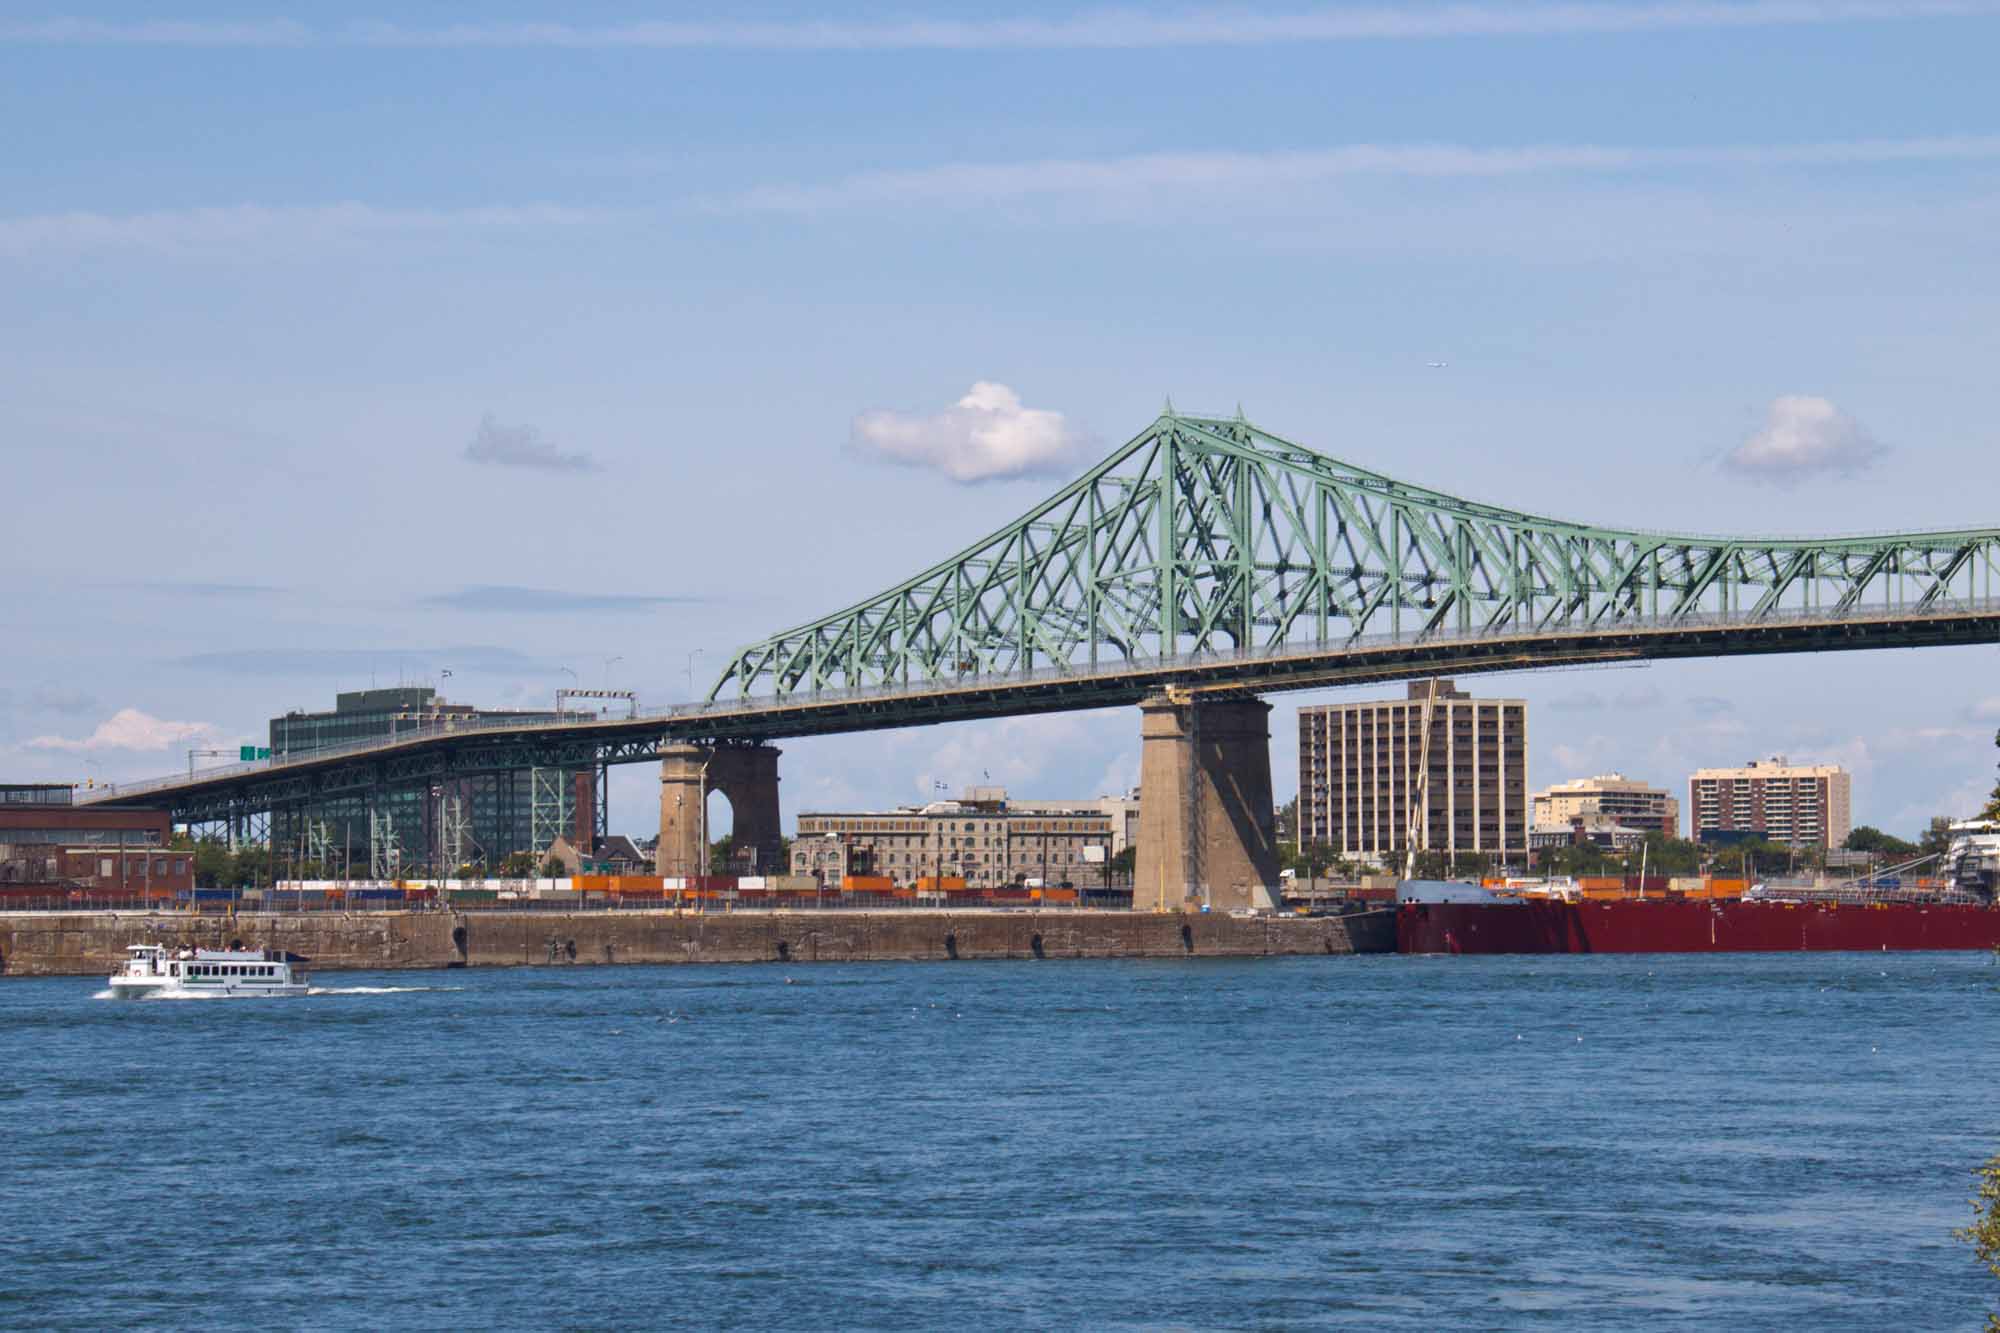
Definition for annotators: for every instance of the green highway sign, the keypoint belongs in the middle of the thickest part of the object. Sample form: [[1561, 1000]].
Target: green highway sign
[[248, 752]]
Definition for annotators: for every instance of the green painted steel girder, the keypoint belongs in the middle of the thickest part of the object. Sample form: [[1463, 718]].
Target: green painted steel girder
[[1206, 535]]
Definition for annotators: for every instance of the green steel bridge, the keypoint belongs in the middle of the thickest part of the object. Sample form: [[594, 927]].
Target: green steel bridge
[[1212, 556]]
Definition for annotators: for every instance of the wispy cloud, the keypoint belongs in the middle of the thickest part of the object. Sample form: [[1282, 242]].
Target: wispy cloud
[[985, 436], [232, 230], [1093, 29], [523, 446], [199, 588], [386, 664], [1803, 438], [127, 729], [61, 699], [971, 184], [506, 598]]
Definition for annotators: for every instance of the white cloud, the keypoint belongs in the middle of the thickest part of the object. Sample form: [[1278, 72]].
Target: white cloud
[[1986, 710], [1802, 438], [1576, 758], [969, 184], [523, 446], [229, 231], [1100, 29], [127, 729], [986, 436]]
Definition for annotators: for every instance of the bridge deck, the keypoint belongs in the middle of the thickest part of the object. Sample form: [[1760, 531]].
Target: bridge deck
[[458, 749]]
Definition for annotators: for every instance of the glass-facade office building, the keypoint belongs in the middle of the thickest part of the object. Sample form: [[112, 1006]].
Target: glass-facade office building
[[478, 820]]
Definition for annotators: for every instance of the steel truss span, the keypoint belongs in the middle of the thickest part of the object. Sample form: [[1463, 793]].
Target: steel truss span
[[1209, 538], [1209, 555]]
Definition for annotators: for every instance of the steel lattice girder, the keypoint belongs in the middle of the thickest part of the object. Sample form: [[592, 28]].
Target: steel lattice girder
[[1204, 535]]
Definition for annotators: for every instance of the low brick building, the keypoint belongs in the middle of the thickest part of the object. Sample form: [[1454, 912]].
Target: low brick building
[[48, 845]]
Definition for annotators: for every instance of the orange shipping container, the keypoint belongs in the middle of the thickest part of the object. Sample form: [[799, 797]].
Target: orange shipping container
[[867, 883]]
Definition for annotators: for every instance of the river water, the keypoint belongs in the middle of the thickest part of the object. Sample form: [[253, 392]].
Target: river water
[[1385, 1142]]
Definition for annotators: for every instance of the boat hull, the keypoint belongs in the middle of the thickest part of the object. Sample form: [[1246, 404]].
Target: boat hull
[[1636, 926], [142, 988]]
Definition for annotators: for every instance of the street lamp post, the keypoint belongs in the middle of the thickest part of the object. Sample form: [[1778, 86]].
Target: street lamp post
[[690, 673]]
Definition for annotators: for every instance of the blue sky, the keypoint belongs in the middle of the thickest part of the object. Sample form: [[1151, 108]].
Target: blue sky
[[266, 272]]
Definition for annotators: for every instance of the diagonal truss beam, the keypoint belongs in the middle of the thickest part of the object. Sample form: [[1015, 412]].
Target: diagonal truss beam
[[1207, 535]]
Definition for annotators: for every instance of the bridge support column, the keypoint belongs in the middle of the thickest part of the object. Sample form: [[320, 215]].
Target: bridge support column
[[747, 775], [1206, 826]]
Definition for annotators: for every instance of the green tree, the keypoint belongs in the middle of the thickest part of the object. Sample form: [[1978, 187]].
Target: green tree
[[1287, 828], [1670, 856], [1875, 842], [1937, 836], [1311, 860], [1125, 864], [1984, 1233], [211, 863], [518, 865], [248, 868]]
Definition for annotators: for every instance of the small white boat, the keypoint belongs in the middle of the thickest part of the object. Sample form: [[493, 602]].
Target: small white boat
[[155, 970]]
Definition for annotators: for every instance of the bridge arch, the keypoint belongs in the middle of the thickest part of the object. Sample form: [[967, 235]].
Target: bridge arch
[[745, 775]]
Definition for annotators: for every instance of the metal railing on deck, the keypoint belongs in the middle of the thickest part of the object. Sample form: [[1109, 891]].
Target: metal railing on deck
[[1272, 654]]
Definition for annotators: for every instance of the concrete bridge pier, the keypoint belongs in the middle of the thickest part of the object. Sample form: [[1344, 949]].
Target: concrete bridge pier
[[746, 774], [1207, 830]]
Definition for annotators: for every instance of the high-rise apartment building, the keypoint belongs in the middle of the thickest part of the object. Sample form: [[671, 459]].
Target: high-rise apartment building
[[1358, 765], [1798, 804], [1629, 804]]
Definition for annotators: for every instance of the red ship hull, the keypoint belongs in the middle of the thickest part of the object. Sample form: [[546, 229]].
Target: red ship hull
[[1637, 926]]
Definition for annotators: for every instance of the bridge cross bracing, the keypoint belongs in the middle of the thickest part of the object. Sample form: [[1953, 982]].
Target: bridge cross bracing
[[1209, 555], [1209, 538]]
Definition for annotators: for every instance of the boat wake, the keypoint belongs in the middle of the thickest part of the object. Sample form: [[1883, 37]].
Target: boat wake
[[376, 990]]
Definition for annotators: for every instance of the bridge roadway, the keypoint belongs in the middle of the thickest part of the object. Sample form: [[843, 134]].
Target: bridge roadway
[[447, 751]]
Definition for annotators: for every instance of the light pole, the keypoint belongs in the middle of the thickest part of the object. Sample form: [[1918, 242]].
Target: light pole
[[690, 673], [574, 679]]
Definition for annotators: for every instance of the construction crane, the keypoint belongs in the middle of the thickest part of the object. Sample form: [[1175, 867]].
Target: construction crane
[[1422, 790]]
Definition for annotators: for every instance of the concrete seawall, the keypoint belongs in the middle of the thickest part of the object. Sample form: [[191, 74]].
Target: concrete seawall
[[92, 943]]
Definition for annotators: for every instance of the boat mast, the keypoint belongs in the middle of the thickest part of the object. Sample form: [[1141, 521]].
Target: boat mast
[[1422, 791]]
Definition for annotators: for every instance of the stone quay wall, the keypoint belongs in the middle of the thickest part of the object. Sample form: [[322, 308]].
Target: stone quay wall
[[93, 943]]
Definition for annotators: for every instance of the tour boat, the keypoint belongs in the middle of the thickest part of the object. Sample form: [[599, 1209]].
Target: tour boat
[[155, 970]]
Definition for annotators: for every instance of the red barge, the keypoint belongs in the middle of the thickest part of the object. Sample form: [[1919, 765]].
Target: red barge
[[1690, 926]]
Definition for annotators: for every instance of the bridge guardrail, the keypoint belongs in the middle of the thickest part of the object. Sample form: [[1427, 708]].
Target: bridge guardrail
[[1938, 610]]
